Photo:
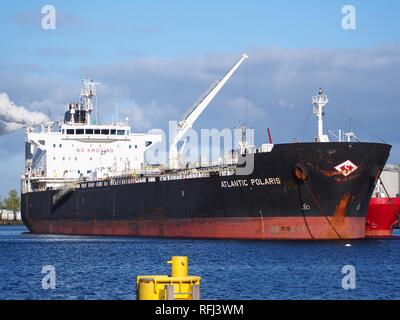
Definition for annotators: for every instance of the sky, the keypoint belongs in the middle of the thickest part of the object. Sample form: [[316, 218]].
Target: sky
[[155, 58]]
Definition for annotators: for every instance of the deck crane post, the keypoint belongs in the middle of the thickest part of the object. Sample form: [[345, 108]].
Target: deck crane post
[[197, 109]]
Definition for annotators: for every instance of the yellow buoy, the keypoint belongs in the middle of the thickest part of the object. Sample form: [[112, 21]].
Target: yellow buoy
[[178, 286], [179, 266]]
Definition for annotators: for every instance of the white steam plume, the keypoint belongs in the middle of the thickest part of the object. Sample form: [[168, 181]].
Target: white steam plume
[[13, 117]]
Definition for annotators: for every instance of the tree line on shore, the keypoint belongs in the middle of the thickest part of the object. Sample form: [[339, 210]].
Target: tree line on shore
[[12, 202]]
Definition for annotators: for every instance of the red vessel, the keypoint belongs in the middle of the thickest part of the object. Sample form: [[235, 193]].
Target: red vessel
[[382, 217]]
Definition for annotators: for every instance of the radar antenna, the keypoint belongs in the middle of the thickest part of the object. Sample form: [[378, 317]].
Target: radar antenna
[[88, 94]]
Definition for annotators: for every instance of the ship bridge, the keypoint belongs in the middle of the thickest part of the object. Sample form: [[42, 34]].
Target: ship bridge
[[80, 149], [97, 132]]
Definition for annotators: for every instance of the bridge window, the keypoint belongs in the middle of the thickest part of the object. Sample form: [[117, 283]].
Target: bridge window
[[80, 131], [97, 131], [70, 131], [89, 131], [105, 131], [113, 131], [121, 132]]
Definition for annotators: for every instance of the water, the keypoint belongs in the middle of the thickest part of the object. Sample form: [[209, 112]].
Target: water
[[105, 268]]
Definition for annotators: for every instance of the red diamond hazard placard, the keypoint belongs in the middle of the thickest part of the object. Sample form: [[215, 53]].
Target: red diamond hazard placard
[[346, 168]]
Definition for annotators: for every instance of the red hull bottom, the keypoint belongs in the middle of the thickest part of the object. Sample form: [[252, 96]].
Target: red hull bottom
[[282, 228], [382, 216]]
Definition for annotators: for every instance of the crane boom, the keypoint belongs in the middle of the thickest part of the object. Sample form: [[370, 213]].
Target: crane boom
[[197, 110]]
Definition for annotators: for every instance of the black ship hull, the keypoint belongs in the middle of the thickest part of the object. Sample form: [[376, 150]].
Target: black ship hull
[[296, 191]]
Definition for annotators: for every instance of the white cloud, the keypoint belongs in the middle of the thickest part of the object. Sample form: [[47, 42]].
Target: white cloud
[[6, 127], [283, 103], [152, 91], [148, 115], [14, 117], [240, 104]]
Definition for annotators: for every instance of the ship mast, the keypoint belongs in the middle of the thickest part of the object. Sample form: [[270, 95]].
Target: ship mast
[[88, 92], [196, 111], [319, 102]]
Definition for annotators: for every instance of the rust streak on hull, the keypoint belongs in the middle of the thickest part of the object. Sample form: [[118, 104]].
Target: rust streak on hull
[[341, 208]]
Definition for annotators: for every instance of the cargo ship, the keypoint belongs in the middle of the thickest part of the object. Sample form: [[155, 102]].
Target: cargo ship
[[384, 207], [85, 178]]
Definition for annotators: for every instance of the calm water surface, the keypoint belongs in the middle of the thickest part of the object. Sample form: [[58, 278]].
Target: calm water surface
[[105, 268]]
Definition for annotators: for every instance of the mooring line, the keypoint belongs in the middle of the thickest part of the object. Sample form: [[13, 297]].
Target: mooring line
[[304, 215], [322, 210]]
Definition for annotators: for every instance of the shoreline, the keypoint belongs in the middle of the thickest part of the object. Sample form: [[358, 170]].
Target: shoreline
[[11, 223]]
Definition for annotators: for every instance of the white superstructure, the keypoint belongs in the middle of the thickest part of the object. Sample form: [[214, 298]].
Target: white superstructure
[[79, 148]]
